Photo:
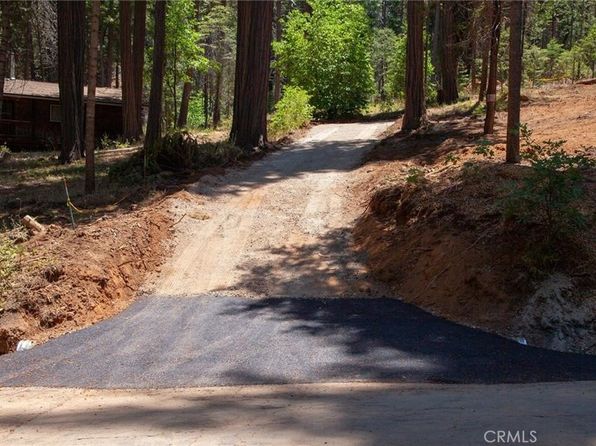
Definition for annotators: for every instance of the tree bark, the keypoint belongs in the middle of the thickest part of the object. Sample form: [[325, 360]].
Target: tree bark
[[157, 71], [129, 109], [184, 103], [5, 36], [491, 90], [448, 54], [217, 99], [108, 69], [138, 49], [415, 106], [249, 121], [485, 45], [515, 78], [90, 110], [71, 58]]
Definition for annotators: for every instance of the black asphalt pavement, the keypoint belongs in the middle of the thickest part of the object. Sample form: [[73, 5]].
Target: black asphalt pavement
[[214, 340]]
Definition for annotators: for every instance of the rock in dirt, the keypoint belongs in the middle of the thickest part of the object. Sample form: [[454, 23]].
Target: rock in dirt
[[12, 328], [557, 319]]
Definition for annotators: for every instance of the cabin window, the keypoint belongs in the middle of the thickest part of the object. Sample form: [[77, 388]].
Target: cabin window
[[55, 113], [7, 110]]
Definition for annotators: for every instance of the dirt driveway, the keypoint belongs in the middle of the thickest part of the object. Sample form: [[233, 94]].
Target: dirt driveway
[[278, 228]]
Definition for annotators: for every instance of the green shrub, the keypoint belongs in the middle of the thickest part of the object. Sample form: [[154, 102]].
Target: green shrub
[[9, 254], [291, 112], [485, 149], [550, 193], [328, 53], [416, 176]]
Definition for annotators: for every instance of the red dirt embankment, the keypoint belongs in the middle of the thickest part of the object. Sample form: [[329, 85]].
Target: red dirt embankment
[[442, 241], [68, 279]]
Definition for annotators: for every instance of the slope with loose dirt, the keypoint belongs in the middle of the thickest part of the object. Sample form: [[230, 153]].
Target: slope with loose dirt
[[67, 279], [435, 229]]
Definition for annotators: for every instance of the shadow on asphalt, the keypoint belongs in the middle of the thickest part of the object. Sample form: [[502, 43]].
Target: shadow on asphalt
[[162, 342]]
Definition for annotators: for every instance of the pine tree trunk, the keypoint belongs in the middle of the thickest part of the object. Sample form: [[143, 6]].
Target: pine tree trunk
[[448, 55], [184, 103], [90, 110], [129, 109], [491, 89], [5, 36], [28, 65], [217, 99], [157, 72], [108, 69], [71, 58], [415, 107], [138, 49], [249, 122], [514, 82], [485, 45]]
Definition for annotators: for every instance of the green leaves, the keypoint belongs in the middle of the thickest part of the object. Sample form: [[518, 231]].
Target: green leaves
[[327, 53], [291, 112], [549, 194]]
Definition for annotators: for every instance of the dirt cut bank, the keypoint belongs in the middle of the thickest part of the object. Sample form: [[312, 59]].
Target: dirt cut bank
[[437, 229], [66, 279]]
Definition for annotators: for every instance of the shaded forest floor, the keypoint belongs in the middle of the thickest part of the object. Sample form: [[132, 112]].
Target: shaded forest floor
[[434, 228]]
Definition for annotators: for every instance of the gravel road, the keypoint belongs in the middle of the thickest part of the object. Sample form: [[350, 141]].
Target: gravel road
[[278, 228], [281, 229]]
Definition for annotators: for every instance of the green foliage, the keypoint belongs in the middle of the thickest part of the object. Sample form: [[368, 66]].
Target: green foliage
[[396, 72], [184, 55], [416, 176], [534, 64], [550, 193], [383, 47], [484, 148], [9, 255], [291, 112], [107, 143], [451, 158], [327, 53], [196, 112], [587, 49]]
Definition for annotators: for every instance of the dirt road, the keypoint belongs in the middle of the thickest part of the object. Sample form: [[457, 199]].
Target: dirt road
[[320, 414], [278, 228], [282, 228]]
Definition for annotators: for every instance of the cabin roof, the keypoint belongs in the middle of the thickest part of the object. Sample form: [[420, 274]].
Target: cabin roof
[[50, 90]]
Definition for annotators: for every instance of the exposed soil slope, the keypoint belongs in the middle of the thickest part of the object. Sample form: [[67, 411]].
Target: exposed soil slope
[[441, 240], [68, 279]]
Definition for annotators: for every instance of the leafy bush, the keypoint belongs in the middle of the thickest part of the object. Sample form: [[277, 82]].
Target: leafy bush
[[327, 53], [4, 153], [9, 253], [549, 194], [291, 112]]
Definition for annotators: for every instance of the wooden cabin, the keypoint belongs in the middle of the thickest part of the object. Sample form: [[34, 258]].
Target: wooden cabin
[[31, 114]]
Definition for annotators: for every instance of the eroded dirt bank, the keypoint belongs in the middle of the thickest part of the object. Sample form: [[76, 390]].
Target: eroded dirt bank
[[436, 230], [68, 279]]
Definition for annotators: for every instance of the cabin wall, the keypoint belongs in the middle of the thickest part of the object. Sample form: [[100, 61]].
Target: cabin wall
[[25, 123]]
